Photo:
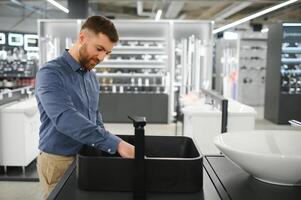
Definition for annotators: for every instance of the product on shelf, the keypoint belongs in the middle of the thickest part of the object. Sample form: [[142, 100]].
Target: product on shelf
[[283, 97], [134, 71], [18, 63], [241, 66]]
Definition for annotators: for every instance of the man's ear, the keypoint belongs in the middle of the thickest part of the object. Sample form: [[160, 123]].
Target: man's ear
[[82, 37]]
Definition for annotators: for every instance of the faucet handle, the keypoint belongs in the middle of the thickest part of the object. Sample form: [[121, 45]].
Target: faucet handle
[[295, 123], [138, 121]]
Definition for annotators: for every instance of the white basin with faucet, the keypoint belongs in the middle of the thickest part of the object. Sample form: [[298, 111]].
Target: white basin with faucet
[[272, 156]]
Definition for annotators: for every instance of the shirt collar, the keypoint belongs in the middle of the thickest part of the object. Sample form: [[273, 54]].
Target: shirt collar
[[71, 61]]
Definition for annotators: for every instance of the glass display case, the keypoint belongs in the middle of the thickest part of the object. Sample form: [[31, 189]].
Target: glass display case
[[283, 88]]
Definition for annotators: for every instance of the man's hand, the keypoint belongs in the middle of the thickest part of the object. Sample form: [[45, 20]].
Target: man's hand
[[126, 150]]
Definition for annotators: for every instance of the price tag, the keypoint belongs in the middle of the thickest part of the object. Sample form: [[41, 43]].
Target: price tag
[[10, 95], [1, 96], [22, 91]]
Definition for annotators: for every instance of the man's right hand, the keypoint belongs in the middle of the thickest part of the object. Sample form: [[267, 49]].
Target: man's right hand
[[126, 150]]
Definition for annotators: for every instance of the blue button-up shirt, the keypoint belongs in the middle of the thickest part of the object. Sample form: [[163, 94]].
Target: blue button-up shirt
[[67, 99]]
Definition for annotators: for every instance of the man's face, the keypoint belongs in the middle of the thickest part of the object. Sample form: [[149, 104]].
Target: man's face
[[94, 48]]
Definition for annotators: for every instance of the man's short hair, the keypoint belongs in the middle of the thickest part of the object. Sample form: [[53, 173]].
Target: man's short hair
[[101, 24]]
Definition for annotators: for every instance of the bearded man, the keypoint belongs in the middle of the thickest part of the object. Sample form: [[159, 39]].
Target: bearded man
[[67, 92]]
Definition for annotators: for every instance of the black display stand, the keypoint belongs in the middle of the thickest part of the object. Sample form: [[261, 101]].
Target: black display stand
[[115, 107], [67, 189], [222, 180], [233, 183], [283, 78]]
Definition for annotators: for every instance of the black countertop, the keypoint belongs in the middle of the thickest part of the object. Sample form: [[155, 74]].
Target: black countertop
[[222, 180], [235, 184], [67, 189]]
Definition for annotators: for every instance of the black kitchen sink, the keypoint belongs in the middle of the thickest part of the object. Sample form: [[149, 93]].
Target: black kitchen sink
[[171, 164]]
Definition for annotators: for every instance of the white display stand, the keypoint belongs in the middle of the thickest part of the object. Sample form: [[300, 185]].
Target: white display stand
[[240, 116], [202, 122], [19, 133]]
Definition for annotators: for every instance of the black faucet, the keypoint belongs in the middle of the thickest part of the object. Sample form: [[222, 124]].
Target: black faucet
[[139, 175]]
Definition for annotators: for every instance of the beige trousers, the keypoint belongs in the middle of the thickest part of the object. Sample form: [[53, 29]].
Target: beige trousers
[[50, 169]]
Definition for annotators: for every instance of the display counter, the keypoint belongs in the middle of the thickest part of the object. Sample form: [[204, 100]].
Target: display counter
[[222, 180]]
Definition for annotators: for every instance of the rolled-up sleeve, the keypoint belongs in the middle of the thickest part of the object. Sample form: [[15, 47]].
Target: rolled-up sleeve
[[59, 107]]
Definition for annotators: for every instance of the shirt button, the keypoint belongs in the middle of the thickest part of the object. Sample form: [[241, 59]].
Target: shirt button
[[93, 145], [109, 150]]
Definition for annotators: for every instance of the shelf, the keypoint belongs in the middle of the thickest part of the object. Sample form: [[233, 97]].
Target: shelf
[[141, 62], [130, 85], [3, 76], [139, 50], [12, 87], [291, 50], [291, 60], [252, 39], [128, 75], [142, 38], [289, 94], [129, 67], [133, 92]]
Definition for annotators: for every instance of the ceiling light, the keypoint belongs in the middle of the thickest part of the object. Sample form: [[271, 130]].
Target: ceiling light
[[158, 15], [258, 14], [59, 6]]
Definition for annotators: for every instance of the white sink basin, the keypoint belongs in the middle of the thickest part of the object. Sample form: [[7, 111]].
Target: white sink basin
[[270, 156]]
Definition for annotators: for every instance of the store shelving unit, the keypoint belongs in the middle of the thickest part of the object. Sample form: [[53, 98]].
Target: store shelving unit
[[240, 67], [18, 59], [283, 82], [138, 76], [134, 77], [192, 53]]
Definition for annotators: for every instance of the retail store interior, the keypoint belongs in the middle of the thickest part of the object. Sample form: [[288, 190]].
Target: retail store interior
[[218, 83]]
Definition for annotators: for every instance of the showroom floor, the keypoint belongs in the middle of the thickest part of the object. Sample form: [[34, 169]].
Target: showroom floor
[[31, 190]]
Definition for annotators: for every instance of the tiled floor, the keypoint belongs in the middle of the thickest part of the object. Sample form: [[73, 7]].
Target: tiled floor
[[31, 190]]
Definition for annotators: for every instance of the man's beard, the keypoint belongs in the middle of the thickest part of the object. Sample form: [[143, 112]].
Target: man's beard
[[84, 59]]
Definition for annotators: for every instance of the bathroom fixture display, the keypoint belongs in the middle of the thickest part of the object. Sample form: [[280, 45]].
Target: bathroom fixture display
[[283, 77], [222, 180], [268, 155], [211, 115], [240, 67], [140, 69], [168, 164]]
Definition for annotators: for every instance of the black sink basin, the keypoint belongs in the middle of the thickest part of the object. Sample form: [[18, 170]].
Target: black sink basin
[[172, 164]]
